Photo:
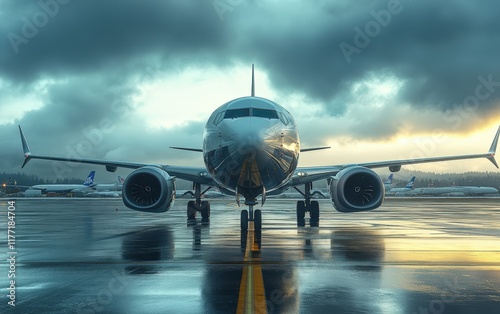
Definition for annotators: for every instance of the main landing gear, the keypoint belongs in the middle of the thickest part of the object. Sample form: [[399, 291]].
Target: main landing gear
[[198, 206], [251, 215], [307, 206]]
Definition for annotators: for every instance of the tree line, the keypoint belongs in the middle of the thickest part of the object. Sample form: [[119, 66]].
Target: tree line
[[20, 178], [426, 179]]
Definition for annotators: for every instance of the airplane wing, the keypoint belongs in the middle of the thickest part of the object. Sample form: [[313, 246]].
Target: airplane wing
[[302, 175], [305, 175], [193, 174]]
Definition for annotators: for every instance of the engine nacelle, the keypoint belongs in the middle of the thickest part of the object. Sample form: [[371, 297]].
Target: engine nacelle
[[149, 189], [356, 189]]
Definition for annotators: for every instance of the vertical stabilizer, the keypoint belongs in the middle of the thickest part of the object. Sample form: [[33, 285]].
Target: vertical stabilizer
[[410, 184], [90, 179], [253, 84]]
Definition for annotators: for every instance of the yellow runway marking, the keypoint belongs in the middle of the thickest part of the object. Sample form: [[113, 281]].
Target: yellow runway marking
[[252, 297]]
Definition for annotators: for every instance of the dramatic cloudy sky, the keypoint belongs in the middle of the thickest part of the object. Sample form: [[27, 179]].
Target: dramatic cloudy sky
[[375, 80]]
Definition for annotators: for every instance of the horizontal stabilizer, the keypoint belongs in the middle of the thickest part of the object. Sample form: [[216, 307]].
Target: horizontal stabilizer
[[187, 148], [313, 148]]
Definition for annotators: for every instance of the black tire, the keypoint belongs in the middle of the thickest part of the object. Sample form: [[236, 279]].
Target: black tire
[[205, 209], [244, 220], [191, 210], [301, 213], [314, 214], [257, 219]]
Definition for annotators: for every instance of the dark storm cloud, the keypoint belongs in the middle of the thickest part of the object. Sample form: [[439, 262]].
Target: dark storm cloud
[[439, 49], [442, 51], [96, 53], [86, 35]]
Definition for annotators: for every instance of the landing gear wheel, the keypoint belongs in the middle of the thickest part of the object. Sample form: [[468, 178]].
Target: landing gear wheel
[[244, 219], [314, 214], [205, 212], [191, 211], [257, 220], [301, 212]]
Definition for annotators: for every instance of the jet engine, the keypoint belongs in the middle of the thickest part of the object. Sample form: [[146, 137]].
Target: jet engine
[[356, 189], [149, 189]]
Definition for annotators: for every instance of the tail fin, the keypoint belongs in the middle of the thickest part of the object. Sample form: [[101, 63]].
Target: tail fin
[[389, 179], [90, 179], [253, 84], [410, 184]]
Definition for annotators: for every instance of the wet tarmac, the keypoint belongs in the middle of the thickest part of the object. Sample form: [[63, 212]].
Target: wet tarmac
[[409, 256]]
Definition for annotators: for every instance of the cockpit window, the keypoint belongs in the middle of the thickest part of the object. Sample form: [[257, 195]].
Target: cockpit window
[[283, 118], [218, 118], [251, 112], [237, 113], [265, 113]]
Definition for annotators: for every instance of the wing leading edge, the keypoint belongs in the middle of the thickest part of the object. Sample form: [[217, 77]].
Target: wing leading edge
[[193, 174], [311, 174]]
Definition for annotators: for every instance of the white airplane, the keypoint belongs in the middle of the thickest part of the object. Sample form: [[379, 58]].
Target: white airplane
[[455, 190], [408, 187], [37, 190], [388, 182], [251, 149], [106, 187], [104, 194]]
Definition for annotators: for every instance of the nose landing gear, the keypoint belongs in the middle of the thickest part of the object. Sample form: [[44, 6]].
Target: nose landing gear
[[198, 206], [307, 206], [251, 215]]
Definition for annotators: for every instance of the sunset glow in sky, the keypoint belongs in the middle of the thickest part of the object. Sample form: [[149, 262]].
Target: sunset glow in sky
[[133, 78]]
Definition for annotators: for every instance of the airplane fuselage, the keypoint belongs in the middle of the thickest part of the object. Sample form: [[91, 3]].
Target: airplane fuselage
[[464, 190], [59, 187], [251, 146]]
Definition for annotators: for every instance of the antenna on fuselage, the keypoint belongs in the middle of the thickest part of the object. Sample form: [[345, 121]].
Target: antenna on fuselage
[[253, 84]]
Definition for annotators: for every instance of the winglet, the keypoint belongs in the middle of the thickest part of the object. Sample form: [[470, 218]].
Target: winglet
[[493, 148], [253, 84], [26, 148]]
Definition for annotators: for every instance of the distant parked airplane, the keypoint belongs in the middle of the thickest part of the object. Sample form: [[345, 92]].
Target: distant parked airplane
[[106, 187], [37, 190], [407, 188], [388, 182], [455, 190]]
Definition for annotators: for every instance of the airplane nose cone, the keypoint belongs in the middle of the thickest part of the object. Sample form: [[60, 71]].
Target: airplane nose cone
[[251, 154], [251, 139]]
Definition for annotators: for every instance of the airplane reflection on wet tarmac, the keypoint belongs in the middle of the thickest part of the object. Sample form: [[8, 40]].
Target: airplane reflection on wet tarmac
[[81, 256]]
